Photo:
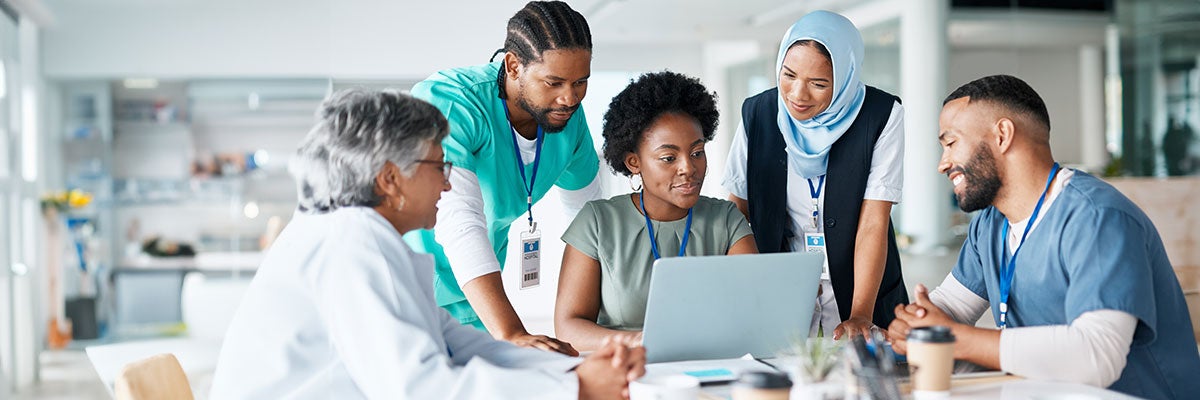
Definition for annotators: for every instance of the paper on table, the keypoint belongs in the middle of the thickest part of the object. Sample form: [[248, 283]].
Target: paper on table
[[709, 371]]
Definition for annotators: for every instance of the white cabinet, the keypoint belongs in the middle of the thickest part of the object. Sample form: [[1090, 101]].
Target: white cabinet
[[200, 163]]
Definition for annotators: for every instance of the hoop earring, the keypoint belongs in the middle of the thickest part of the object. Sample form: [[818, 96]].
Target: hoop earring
[[638, 186]]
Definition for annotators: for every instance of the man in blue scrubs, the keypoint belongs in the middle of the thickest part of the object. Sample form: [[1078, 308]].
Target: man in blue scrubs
[[1073, 272]]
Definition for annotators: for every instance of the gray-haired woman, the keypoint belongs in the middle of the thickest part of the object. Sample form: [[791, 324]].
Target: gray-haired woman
[[342, 308]]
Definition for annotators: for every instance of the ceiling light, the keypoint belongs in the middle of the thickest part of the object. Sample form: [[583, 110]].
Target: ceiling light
[[602, 9], [870, 14], [787, 10], [141, 83], [250, 210]]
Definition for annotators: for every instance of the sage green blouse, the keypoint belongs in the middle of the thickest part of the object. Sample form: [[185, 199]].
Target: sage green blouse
[[614, 232]]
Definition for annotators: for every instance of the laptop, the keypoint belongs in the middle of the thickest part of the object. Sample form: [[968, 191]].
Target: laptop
[[720, 307]]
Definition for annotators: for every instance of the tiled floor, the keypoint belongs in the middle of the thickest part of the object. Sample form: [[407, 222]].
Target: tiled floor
[[66, 375], [69, 374]]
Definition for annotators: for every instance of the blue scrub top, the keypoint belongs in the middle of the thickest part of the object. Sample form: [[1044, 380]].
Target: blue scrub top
[[481, 141], [1094, 249]]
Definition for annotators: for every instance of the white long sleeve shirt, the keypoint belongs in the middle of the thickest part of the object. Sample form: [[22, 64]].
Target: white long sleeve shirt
[[885, 182], [1092, 349], [342, 308], [462, 226]]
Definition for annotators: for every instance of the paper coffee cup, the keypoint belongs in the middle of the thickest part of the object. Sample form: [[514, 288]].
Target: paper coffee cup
[[665, 387], [930, 361]]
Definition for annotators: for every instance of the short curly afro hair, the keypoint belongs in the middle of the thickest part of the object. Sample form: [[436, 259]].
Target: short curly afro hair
[[649, 96]]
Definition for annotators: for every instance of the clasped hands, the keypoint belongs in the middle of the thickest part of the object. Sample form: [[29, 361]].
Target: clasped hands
[[921, 313], [606, 372]]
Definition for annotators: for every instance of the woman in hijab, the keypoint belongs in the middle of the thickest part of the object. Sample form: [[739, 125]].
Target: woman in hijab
[[342, 308], [839, 145]]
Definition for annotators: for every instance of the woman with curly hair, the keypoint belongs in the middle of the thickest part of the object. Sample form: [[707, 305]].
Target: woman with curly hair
[[654, 132]]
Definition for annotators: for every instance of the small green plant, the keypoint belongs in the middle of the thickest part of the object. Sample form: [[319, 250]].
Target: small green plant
[[1114, 168], [816, 357]]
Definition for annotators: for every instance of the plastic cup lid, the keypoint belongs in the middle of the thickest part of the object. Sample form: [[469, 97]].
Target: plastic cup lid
[[764, 380], [932, 334]]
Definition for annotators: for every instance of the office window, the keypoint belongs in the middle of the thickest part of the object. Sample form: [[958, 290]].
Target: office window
[[1160, 86]]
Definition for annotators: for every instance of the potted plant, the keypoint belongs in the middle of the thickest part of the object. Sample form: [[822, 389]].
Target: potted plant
[[810, 362], [61, 251]]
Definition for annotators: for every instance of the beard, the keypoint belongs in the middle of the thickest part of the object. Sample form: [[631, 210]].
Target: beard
[[981, 179], [542, 115]]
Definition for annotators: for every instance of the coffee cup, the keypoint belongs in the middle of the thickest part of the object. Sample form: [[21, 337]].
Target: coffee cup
[[665, 387], [930, 361]]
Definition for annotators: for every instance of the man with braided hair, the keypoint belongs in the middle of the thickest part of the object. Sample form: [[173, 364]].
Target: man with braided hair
[[516, 130]]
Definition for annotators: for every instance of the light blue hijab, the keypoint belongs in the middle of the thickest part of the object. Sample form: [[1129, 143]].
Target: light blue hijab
[[809, 141]]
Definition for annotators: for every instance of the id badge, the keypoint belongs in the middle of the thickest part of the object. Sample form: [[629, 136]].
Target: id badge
[[531, 258], [815, 243]]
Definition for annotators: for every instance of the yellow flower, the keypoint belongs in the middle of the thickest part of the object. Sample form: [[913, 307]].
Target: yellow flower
[[78, 199]]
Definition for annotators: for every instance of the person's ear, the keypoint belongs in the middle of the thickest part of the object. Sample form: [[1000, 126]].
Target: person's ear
[[512, 66], [389, 181], [1004, 131], [633, 163]]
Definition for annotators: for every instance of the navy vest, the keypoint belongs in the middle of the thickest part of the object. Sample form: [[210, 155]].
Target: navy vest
[[845, 185]]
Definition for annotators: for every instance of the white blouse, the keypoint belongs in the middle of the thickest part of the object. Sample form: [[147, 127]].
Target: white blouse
[[342, 308], [884, 182]]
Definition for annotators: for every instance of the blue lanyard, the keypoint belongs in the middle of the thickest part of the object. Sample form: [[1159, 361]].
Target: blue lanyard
[[1008, 267], [815, 192], [687, 229], [537, 159]]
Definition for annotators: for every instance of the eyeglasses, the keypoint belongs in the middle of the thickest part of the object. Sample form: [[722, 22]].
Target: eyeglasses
[[446, 166]]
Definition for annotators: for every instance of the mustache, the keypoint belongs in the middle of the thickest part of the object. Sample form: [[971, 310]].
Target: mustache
[[956, 169], [564, 109]]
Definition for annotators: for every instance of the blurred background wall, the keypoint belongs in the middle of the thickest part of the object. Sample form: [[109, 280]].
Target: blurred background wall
[[174, 120]]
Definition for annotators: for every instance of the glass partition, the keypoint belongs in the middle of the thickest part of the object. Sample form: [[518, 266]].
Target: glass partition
[[1160, 86]]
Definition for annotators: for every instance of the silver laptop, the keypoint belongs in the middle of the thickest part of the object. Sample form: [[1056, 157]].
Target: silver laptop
[[705, 308]]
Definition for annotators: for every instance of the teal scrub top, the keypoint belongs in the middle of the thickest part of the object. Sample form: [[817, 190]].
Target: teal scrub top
[[481, 141], [1093, 250]]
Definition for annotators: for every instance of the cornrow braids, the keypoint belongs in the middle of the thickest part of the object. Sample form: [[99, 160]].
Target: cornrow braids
[[542, 26]]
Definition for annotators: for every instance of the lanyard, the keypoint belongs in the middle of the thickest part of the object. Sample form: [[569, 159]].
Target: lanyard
[[537, 159], [1007, 268], [815, 192], [687, 229]]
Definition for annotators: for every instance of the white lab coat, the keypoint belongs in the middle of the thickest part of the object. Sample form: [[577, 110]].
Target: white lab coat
[[341, 308]]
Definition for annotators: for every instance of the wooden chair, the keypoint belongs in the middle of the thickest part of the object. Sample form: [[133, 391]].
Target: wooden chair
[[157, 377]]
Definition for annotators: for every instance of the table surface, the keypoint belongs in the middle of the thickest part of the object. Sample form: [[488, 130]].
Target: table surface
[[198, 359], [203, 261], [984, 388]]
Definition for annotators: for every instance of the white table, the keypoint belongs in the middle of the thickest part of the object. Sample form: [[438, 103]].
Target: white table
[[1034, 389], [221, 261], [198, 357], [1016, 389]]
